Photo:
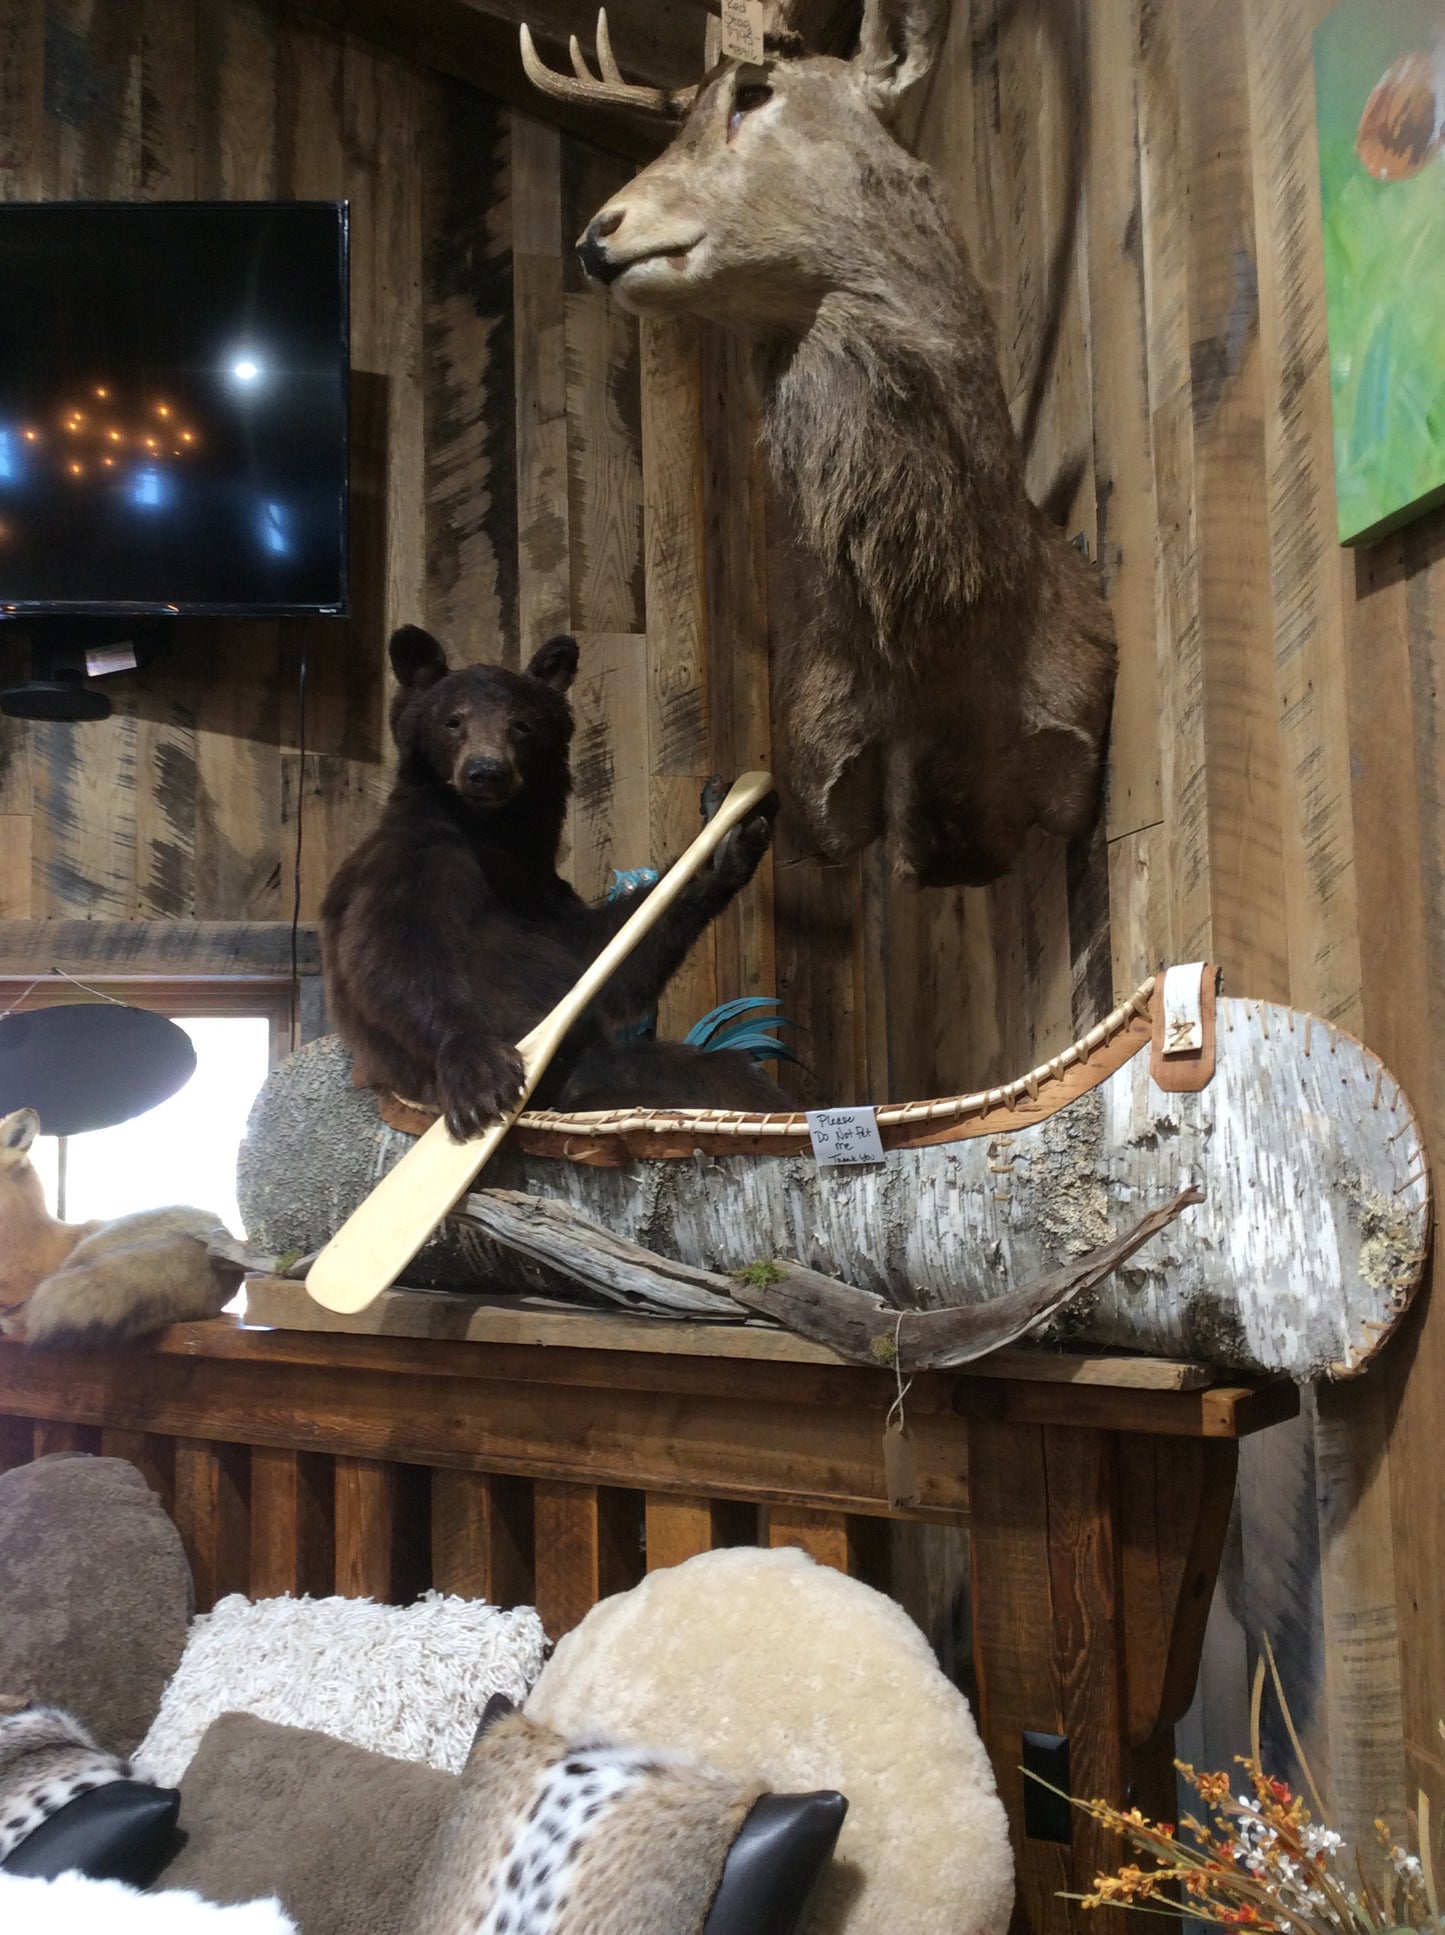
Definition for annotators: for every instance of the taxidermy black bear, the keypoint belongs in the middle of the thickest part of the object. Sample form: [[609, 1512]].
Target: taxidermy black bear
[[448, 934]]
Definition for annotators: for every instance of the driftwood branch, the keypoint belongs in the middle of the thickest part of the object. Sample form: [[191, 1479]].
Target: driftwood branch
[[861, 1326], [596, 1263], [857, 1324]]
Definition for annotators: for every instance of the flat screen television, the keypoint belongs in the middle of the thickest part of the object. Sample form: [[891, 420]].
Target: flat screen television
[[173, 407]]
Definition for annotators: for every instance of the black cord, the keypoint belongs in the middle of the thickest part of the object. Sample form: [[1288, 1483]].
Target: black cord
[[300, 816]]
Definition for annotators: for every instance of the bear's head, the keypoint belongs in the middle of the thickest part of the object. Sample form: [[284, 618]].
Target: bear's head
[[481, 730]]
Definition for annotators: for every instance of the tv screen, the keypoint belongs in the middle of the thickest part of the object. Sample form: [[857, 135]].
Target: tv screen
[[173, 389]]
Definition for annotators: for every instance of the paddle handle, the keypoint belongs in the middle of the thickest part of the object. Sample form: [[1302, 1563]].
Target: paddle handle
[[546, 1037], [383, 1233]]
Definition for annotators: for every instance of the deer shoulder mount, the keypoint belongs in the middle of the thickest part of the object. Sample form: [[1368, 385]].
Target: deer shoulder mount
[[951, 682]]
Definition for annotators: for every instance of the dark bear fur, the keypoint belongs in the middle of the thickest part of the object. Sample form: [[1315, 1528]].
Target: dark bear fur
[[448, 934]]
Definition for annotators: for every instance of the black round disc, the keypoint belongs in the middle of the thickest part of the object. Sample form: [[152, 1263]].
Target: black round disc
[[65, 699], [90, 1064]]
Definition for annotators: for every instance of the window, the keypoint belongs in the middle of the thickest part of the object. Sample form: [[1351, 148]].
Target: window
[[184, 1150]]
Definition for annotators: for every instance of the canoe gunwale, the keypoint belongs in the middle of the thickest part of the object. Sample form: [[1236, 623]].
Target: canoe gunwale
[[612, 1138]]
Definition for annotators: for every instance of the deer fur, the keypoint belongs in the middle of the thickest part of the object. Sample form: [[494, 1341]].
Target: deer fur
[[953, 680], [99, 1282]]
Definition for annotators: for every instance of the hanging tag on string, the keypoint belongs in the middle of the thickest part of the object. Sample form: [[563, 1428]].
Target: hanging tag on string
[[742, 30], [900, 1459], [900, 1467]]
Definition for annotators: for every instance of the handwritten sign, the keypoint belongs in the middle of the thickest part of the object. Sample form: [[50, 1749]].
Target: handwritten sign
[[742, 30], [842, 1137]]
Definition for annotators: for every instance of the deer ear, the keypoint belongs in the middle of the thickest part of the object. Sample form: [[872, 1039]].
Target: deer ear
[[416, 658], [19, 1130], [897, 46], [556, 663]]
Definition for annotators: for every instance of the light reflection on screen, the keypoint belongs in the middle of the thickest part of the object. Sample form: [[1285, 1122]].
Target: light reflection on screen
[[173, 406]]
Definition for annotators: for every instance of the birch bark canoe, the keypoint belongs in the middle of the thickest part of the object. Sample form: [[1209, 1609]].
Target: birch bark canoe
[[1305, 1253]]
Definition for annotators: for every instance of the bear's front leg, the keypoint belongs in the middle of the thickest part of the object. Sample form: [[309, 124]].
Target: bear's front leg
[[478, 1081], [640, 979]]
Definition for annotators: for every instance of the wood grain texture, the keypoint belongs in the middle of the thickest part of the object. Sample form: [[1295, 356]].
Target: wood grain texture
[[674, 580], [482, 1537], [588, 1546], [256, 949], [604, 467], [1123, 456], [470, 371], [15, 865], [540, 323], [736, 570], [1017, 1685], [382, 1530], [52, 1440], [153, 1456], [827, 1537], [677, 1526], [293, 1503], [212, 1513]]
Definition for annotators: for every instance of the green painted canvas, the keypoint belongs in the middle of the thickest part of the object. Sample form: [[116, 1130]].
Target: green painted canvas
[[1380, 106]]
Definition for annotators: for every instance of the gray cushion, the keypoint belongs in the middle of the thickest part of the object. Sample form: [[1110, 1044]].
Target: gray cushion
[[339, 1834], [95, 1594]]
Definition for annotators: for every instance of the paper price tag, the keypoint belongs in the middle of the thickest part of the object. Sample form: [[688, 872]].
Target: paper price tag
[[844, 1136], [742, 30]]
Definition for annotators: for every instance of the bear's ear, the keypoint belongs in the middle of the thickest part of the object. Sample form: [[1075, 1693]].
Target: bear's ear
[[417, 658], [556, 663]]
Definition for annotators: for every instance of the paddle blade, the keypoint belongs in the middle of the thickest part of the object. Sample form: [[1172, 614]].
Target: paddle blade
[[378, 1240]]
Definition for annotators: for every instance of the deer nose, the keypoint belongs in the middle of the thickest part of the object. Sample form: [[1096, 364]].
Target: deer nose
[[591, 253]]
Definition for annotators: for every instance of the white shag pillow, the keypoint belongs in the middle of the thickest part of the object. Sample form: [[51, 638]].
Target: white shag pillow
[[409, 1681], [772, 1667], [75, 1905]]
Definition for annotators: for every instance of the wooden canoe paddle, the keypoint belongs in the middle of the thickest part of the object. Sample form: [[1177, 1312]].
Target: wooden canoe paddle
[[383, 1234]]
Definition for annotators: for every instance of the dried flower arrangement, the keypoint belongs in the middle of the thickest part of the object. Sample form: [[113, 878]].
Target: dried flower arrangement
[[1261, 1860]]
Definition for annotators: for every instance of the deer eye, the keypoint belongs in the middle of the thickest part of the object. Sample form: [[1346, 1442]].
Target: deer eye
[[745, 100]]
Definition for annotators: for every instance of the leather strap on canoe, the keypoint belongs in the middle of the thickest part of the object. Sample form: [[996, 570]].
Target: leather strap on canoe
[[1181, 1055]]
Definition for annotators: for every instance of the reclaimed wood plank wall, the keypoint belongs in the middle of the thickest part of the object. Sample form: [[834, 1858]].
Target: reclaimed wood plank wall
[[1137, 181]]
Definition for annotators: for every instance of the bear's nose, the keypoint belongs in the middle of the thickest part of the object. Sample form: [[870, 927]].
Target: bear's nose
[[484, 773]]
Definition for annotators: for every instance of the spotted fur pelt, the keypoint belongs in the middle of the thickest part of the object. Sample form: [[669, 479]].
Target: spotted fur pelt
[[548, 1838], [46, 1759]]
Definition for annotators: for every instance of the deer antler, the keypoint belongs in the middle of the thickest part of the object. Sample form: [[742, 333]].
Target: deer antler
[[611, 90]]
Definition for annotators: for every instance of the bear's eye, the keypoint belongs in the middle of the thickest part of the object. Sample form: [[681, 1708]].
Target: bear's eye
[[454, 724], [521, 728]]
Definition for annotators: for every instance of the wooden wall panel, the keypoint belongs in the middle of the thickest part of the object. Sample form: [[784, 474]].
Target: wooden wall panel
[[470, 380], [184, 805]]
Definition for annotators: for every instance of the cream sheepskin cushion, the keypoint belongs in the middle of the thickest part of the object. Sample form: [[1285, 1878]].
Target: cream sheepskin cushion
[[408, 1681], [72, 1905], [770, 1666]]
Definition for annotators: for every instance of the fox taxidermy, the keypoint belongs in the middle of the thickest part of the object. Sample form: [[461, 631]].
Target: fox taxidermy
[[101, 1282]]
